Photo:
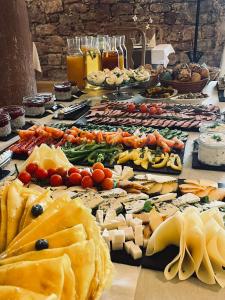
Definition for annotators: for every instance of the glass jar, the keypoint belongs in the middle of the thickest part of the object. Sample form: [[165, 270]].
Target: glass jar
[[17, 115], [110, 56], [123, 39], [75, 62], [5, 125], [120, 52], [34, 106], [63, 91], [211, 149], [49, 99]]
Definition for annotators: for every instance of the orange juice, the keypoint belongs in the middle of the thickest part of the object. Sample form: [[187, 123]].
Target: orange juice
[[121, 61], [76, 69]]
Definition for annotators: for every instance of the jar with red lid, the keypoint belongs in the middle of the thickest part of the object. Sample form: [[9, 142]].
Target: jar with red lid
[[17, 115], [49, 99], [34, 106], [5, 125]]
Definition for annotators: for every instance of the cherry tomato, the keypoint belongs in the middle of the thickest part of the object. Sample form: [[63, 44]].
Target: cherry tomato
[[75, 179], [41, 173], [159, 110], [24, 177], [31, 168], [56, 180], [51, 172], [108, 173], [131, 107], [73, 170], [143, 108], [61, 171], [85, 173], [98, 175], [98, 165], [107, 184], [87, 182], [152, 110]]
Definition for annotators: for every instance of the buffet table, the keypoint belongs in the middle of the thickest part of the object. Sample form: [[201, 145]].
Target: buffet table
[[136, 283]]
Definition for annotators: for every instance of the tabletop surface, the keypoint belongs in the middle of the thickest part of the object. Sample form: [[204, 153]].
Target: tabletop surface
[[140, 284]]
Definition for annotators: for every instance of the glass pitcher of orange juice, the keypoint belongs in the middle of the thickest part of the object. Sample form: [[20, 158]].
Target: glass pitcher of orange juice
[[120, 52], [93, 56], [75, 62]]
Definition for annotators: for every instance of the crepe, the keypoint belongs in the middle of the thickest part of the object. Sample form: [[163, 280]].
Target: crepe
[[15, 293], [49, 275], [59, 239], [82, 256]]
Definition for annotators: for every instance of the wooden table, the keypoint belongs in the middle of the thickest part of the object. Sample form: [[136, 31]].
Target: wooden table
[[141, 284]]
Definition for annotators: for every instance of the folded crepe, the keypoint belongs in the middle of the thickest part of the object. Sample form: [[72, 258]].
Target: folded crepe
[[8, 292], [45, 276]]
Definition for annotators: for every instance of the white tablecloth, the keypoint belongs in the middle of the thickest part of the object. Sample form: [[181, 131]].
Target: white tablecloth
[[132, 283]]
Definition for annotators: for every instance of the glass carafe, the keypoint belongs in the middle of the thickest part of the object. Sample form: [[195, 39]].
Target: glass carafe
[[93, 56], [75, 62], [123, 38], [120, 52], [110, 56]]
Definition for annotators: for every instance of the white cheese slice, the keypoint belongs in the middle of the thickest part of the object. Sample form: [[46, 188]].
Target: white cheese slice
[[140, 196], [165, 197], [166, 209], [134, 206], [127, 173], [213, 204], [138, 235], [127, 246], [117, 192], [206, 182], [99, 216], [121, 220], [188, 198], [135, 252], [110, 215]]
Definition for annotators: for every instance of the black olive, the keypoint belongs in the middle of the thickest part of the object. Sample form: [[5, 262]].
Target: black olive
[[41, 244], [37, 210]]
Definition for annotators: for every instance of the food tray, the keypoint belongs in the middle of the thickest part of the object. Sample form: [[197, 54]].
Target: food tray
[[168, 99], [27, 125], [196, 164], [186, 87], [47, 112], [82, 121], [3, 173], [156, 262], [74, 115]]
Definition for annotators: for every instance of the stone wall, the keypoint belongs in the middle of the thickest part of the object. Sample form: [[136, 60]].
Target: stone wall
[[52, 21]]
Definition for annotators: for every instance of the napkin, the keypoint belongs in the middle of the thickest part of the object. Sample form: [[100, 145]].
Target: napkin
[[124, 283], [160, 54], [36, 61]]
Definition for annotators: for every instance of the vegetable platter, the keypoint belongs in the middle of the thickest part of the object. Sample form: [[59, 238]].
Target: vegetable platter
[[151, 151]]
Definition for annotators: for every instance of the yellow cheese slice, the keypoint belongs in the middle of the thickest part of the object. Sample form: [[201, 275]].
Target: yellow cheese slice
[[204, 193], [169, 187], [208, 183]]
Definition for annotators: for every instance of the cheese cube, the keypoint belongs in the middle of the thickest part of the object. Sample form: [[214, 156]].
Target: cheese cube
[[127, 246], [138, 235], [111, 233], [99, 216], [135, 222], [106, 237], [117, 246], [118, 237], [129, 233], [129, 217], [135, 252]]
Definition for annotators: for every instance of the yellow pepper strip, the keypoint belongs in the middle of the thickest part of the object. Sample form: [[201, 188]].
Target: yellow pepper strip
[[163, 162], [174, 162]]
